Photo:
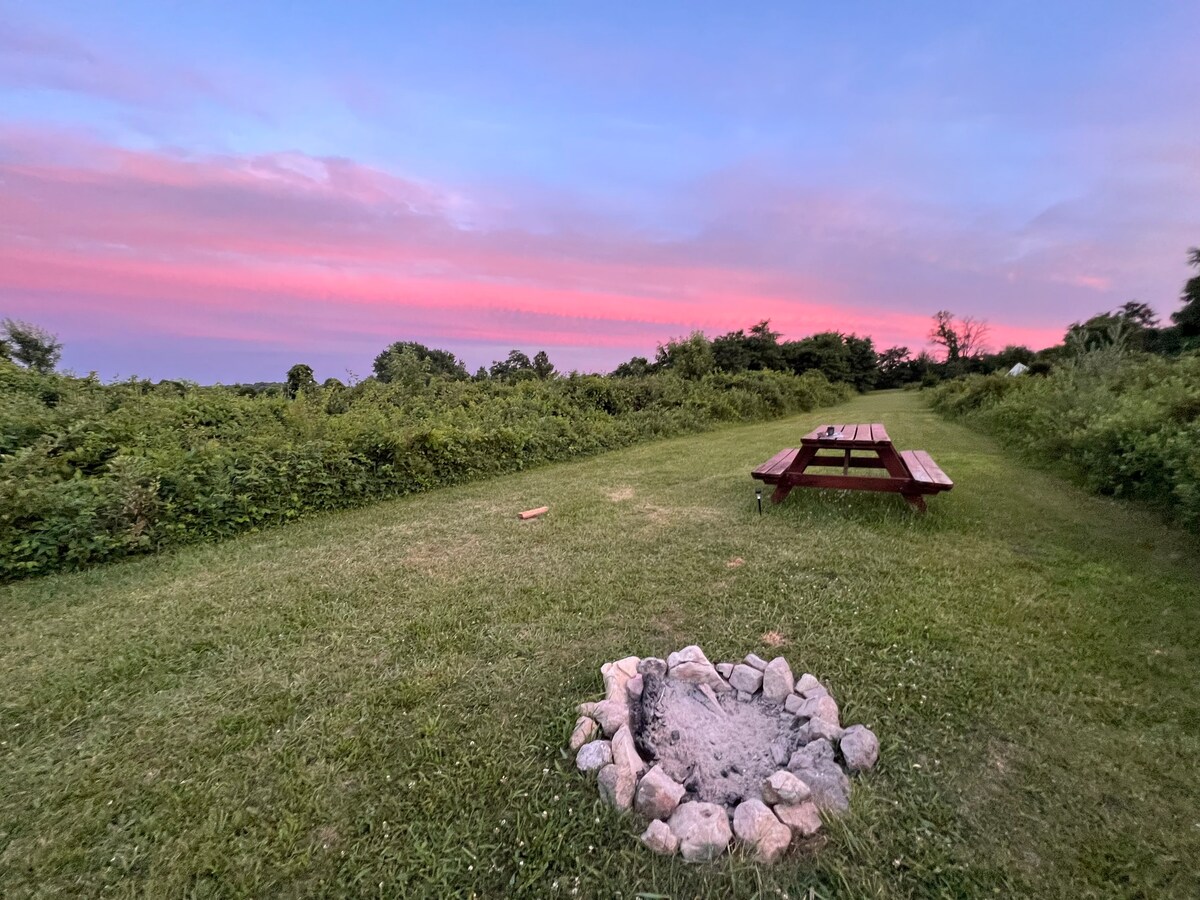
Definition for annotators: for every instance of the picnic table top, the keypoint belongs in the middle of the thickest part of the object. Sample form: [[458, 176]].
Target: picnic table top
[[848, 436]]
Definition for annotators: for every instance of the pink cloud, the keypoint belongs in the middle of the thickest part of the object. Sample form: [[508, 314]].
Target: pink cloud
[[288, 250]]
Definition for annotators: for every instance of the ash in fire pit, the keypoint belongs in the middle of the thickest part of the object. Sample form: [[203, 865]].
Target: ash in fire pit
[[693, 747]]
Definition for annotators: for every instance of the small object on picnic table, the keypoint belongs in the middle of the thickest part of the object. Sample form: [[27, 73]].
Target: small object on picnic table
[[533, 513]]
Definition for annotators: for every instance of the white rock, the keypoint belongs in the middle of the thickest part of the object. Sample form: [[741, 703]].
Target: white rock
[[658, 794], [658, 837], [777, 681], [616, 674], [702, 830], [617, 785], [756, 662], [792, 703], [746, 678], [593, 755], [585, 730], [784, 787], [612, 714], [802, 818], [757, 826], [860, 748], [624, 753], [587, 709], [725, 670], [691, 653]]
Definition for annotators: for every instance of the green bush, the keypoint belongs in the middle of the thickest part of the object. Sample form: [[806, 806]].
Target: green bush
[[1128, 425], [91, 472]]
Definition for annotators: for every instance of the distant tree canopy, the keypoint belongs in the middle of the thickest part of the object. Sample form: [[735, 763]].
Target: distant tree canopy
[[1188, 318], [29, 346], [689, 357], [406, 360], [300, 378]]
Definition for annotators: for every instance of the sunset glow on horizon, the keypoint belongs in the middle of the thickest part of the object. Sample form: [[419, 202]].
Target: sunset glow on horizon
[[216, 193]]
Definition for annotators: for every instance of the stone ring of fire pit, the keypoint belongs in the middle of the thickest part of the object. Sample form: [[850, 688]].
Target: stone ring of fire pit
[[694, 747]]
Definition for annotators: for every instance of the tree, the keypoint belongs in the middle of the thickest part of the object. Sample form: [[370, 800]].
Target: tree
[[299, 378], [30, 346], [637, 367], [514, 367], [1188, 318], [689, 357], [542, 367], [825, 351], [961, 338], [440, 363]]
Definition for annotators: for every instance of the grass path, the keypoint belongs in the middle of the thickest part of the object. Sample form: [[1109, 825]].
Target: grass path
[[373, 703]]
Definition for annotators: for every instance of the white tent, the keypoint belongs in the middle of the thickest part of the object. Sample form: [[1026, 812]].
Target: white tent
[[1018, 369]]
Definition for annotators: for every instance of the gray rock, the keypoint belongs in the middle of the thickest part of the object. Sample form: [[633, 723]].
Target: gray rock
[[744, 696], [658, 794], [585, 730], [823, 707], [808, 686], [652, 665], [702, 830], [593, 755], [792, 703], [777, 681], [811, 754], [617, 785], [756, 662], [829, 785], [587, 709], [818, 729], [785, 787], [658, 837], [624, 753], [781, 751], [802, 818], [725, 670], [746, 678], [757, 826], [860, 748]]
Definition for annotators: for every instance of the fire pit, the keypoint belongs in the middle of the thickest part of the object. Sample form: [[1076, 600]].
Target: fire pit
[[696, 748]]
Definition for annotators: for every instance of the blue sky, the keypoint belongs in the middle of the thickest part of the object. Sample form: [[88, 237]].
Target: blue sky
[[591, 179]]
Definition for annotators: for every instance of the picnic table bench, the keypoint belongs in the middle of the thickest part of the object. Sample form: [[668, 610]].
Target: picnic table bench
[[910, 473]]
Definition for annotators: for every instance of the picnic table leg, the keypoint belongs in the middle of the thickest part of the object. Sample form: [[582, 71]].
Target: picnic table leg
[[916, 501], [846, 463], [799, 464]]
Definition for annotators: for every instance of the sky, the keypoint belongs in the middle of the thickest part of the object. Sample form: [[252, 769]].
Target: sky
[[215, 191]]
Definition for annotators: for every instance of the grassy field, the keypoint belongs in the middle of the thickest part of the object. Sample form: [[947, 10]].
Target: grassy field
[[375, 703]]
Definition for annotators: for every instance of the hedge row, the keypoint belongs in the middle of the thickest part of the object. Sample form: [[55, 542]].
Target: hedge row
[[1129, 426], [91, 472]]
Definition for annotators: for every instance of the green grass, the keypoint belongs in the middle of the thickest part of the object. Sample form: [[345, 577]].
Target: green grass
[[374, 703]]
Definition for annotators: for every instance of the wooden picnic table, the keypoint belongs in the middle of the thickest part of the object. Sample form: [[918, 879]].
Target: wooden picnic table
[[910, 473]]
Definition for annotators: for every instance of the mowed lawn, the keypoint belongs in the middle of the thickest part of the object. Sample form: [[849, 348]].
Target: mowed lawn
[[375, 703]]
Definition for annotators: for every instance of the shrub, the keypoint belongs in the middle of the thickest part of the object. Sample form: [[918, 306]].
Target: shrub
[[1128, 425], [92, 472]]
